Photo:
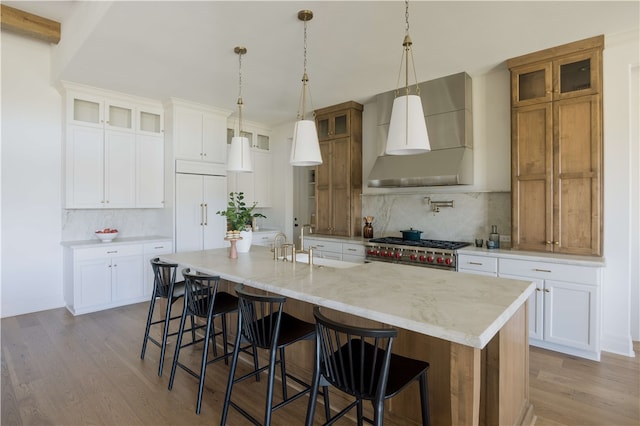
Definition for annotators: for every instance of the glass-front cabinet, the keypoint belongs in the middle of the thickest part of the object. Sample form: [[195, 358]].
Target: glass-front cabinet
[[333, 125], [566, 77], [258, 138]]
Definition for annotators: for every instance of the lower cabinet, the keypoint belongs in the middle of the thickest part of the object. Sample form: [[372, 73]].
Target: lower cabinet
[[335, 249], [264, 238], [564, 310], [97, 278]]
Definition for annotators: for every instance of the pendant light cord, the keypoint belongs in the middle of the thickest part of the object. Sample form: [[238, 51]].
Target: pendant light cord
[[305, 81], [240, 103], [406, 52]]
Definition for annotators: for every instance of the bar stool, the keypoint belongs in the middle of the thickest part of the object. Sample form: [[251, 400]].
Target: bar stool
[[262, 322], [358, 361], [203, 300], [166, 287]]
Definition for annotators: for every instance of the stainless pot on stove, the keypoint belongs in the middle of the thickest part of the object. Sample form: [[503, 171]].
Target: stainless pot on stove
[[411, 235]]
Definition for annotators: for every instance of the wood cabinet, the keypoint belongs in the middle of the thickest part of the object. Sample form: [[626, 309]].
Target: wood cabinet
[[338, 179], [197, 131], [198, 198], [556, 154], [114, 150]]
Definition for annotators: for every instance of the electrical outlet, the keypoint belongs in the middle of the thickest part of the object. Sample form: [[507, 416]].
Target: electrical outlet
[[505, 238]]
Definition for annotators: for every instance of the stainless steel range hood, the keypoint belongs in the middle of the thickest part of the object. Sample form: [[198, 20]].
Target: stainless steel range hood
[[446, 103]]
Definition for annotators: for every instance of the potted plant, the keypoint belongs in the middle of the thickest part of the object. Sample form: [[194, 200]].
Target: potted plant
[[239, 217]]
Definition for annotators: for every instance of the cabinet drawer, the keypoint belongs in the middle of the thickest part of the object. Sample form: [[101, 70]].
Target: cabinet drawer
[[109, 251], [544, 270], [161, 247], [263, 238], [324, 246], [353, 249], [478, 263]]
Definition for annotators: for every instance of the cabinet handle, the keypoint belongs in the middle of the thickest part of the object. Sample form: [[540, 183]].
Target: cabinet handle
[[537, 289], [541, 270], [476, 263], [111, 252], [319, 245], [206, 214], [350, 249], [158, 247], [201, 214], [546, 290]]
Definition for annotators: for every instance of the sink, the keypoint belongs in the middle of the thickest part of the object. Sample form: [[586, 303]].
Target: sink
[[319, 261]]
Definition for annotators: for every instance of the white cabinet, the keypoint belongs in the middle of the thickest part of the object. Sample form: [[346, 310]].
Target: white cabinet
[[480, 265], [197, 131], [564, 309], [264, 238], [347, 251], [151, 251], [198, 198], [114, 150], [97, 278], [352, 252], [256, 186]]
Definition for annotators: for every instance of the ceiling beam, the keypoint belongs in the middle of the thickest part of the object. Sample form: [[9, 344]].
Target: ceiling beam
[[30, 25]]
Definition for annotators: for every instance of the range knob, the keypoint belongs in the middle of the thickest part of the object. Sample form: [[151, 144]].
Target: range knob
[[440, 260], [370, 251], [390, 254], [448, 261], [422, 258], [429, 259], [382, 253], [398, 255], [413, 256]]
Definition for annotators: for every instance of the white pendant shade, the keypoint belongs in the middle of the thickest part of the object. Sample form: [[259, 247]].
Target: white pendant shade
[[239, 158], [407, 129], [305, 150]]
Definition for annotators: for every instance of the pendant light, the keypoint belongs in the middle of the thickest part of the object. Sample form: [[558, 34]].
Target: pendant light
[[407, 129], [239, 158], [305, 150]]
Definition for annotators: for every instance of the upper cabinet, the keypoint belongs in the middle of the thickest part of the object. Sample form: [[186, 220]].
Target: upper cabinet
[[114, 150], [338, 180], [565, 72], [197, 131], [257, 185], [556, 149]]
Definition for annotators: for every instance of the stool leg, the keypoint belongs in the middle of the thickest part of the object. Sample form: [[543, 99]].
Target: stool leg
[[203, 365], [152, 306], [269, 403], [313, 395], [378, 412], [424, 399], [224, 339], [167, 320], [327, 404], [283, 372], [359, 412], [176, 354], [232, 372]]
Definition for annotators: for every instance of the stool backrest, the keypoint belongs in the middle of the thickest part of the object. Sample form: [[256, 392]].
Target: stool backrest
[[164, 277], [200, 292], [353, 359], [260, 317]]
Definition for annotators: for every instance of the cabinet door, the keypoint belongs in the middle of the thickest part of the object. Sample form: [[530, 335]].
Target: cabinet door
[[85, 167], [334, 125], [577, 178], [85, 110], [570, 312], [119, 116], [215, 199], [245, 183], [93, 280], [536, 306], [531, 168], [262, 170], [577, 75], [188, 134], [214, 146], [151, 251], [150, 171], [531, 84], [127, 276], [120, 169], [189, 212], [340, 187], [150, 121], [323, 191]]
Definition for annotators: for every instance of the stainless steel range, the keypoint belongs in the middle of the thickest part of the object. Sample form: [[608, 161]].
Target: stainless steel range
[[427, 253]]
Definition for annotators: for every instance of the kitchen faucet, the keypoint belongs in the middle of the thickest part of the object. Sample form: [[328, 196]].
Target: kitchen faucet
[[302, 250]]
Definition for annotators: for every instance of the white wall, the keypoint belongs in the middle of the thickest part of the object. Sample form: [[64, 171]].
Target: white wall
[[31, 179]]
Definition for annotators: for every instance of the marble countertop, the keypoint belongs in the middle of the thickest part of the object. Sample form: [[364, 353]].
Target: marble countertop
[[462, 308], [535, 256], [117, 241]]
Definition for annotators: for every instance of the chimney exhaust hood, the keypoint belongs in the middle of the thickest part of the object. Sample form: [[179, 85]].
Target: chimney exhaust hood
[[446, 103]]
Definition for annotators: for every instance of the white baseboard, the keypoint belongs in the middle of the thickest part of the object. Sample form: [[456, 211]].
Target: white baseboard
[[622, 345]]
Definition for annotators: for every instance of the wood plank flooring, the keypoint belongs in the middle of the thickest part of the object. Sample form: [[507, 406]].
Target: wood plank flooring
[[58, 369]]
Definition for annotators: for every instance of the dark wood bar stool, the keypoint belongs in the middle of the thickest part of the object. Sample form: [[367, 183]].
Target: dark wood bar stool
[[165, 287], [262, 322], [358, 361], [203, 300]]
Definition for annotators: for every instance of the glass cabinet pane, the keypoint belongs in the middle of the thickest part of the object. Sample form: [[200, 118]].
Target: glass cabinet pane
[[150, 122], [575, 76], [340, 125], [531, 85], [323, 128], [120, 117], [263, 142], [86, 111]]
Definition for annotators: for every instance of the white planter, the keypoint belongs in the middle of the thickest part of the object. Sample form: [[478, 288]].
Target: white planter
[[244, 244]]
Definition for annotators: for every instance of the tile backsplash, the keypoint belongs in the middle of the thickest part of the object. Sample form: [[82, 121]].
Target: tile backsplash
[[470, 218], [80, 225]]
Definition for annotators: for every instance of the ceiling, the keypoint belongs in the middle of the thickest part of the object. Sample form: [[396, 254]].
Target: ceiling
[[183, 49]]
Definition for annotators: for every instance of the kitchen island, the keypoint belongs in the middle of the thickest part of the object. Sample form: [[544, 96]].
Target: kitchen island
[[472, 329]]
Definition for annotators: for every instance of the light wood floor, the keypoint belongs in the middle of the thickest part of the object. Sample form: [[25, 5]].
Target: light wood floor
[[58, 369]]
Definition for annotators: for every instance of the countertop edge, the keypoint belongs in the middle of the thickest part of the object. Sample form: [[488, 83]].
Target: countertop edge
[[595, 262], [115, 242]]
